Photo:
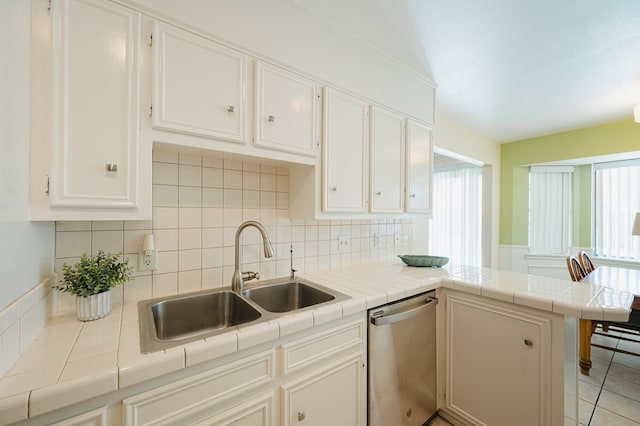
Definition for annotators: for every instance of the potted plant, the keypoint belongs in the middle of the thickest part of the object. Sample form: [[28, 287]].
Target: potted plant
[[91, 280]]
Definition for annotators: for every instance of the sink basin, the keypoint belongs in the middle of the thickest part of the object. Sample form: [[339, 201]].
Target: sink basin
[[289, 296], [180, 319], [176, 320]]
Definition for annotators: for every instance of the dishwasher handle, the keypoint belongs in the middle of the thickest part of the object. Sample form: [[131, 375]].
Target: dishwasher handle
[[403, 315]]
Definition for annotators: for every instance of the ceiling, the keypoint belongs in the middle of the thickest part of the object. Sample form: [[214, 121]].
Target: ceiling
[[510, 69]]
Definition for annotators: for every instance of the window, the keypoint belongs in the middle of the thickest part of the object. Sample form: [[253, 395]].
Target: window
[[550, 209], [616, 201], [455, 231]]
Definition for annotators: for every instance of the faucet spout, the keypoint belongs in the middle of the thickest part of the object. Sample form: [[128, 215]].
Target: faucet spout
[[237, 282]]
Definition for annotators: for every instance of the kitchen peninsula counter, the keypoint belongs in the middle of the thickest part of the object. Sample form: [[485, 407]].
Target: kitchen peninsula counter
[[71, 361]]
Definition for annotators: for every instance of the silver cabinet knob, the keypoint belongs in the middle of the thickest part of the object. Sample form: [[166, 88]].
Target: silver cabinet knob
[[271, 119], [528, 342], [301, 416], [231, 109], [111, 167], [379, 193], [412, 196], [334, 189]]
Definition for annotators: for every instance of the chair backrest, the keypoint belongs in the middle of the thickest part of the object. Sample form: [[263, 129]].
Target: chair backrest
[[585, 262], [576, 271]]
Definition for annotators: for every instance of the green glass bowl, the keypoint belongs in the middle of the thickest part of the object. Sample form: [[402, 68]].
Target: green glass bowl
[[423, 260]]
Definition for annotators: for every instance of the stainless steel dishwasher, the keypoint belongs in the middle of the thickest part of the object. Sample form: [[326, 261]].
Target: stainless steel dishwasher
[[402, 362]]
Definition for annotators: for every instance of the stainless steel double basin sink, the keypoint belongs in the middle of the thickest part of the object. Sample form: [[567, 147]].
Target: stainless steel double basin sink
[[175, 320]]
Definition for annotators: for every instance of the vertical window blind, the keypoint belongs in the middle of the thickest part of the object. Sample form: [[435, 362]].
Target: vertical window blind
[[455, 231], [550, 209], [616, 201]]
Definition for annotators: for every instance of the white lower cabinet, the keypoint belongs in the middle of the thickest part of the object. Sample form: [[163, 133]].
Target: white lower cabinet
[[503, 363], [329, 396], [311, 378], [324, 380]]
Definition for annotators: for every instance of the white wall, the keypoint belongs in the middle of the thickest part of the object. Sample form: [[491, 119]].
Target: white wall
[[26, 248], [455, 137]]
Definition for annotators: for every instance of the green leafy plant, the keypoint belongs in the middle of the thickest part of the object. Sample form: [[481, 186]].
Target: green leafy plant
[[94, 275]]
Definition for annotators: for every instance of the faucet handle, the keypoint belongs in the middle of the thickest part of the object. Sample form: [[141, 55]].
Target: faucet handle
[[248, 276]]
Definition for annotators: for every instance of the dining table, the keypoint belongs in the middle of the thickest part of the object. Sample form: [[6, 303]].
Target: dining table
[[618, 278]]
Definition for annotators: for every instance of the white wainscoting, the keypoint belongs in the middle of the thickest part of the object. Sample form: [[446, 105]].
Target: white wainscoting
[[518, 259]]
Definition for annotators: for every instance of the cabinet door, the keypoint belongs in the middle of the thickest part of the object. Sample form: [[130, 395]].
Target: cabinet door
[[498, 364], [419, 168], [199, 86], [344, 153], [387, 161], [331, 396], [286, 111], [96, 78]]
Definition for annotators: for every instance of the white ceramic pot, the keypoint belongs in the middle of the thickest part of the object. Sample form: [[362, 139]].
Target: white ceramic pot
[[93, 307]]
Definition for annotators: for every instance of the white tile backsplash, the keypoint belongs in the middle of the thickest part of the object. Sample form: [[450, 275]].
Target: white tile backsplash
[[198, 203]]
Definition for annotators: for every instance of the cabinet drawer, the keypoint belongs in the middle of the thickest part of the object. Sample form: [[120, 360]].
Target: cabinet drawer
[[258, 411], [199, 395], [301, 353]]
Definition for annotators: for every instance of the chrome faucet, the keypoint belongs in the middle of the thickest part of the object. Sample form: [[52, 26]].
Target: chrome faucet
[[237, 282]]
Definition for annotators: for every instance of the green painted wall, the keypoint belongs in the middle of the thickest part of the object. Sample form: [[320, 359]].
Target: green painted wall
[[622, 136]]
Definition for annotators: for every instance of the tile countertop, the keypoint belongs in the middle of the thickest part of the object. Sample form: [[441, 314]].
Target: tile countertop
[[71, 361]]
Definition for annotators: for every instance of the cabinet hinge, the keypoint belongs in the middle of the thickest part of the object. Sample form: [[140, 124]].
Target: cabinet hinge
[[45, 184], [150, 109], [150, 39]]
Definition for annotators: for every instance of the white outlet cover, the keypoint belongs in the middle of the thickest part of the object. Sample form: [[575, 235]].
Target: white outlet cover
[[344, 242], [148, 262]]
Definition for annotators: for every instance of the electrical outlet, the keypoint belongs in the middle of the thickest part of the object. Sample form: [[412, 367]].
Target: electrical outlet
[[344, 243], [376, 240], [147, 262]]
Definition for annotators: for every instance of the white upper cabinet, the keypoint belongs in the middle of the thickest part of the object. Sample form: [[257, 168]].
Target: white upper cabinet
[[86, 114], [95, 47], [344, 165], [286, 110], [199, 86], [387, 161], [419, 167]]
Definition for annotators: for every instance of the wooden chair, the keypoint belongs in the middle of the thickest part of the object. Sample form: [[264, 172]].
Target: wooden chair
[[585, 262], [576, 271], [587, 328]]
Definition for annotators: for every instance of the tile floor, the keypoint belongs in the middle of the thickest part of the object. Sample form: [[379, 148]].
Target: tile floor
[[610, 395]]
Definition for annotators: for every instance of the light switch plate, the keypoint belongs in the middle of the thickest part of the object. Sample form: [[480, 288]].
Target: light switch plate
[[344, 243]]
